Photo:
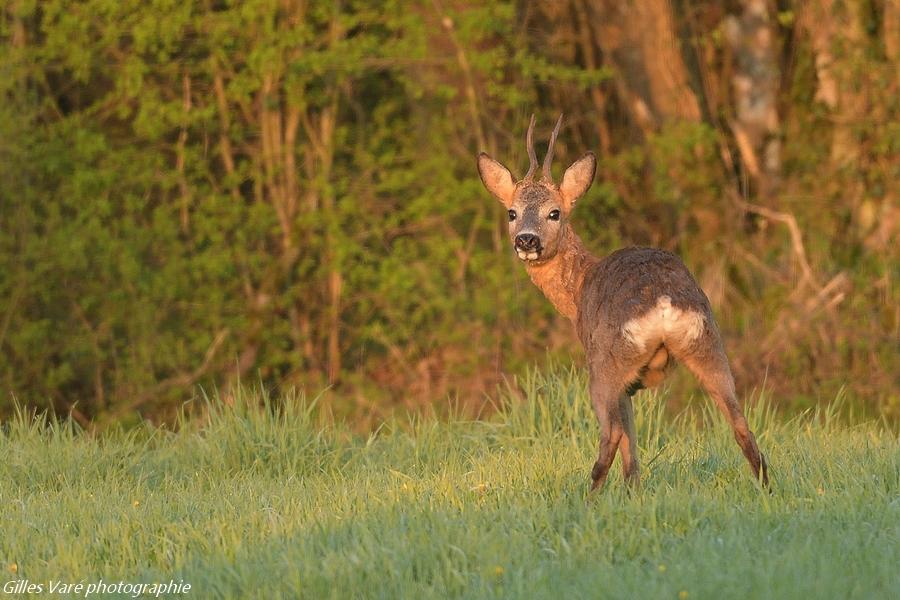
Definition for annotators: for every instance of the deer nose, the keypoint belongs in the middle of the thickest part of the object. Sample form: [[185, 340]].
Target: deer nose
[[528, 241]]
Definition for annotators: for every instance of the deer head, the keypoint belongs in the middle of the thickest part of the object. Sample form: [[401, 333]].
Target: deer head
[[538, 210]]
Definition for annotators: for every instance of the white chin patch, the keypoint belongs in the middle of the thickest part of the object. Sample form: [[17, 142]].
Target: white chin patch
[[532, 255], [523, 255]]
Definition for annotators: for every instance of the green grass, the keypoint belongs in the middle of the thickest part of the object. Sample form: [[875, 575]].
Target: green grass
[[264, 503]]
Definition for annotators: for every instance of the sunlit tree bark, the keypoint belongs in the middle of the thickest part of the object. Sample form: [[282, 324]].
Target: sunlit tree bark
[[891, 30], [838, 37], [755, 81], [639, 38]]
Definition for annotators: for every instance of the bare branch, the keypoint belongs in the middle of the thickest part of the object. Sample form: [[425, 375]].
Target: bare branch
[[183, 186], [796, 237], [225, 123], [180, 380]]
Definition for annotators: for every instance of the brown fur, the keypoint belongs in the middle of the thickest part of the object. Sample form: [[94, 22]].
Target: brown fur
[[636, 311], [561, 277]]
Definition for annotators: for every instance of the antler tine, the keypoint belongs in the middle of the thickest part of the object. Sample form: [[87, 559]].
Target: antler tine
[[532, 157], [548, 158]]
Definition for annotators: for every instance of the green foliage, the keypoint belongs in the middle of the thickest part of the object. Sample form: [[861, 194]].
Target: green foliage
[[261, 500], [192, 194]]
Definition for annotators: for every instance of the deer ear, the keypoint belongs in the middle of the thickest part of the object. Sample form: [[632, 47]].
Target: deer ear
[[578, 178], [496, 178]]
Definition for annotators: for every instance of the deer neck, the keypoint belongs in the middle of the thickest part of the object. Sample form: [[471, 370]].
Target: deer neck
[[561, 277]]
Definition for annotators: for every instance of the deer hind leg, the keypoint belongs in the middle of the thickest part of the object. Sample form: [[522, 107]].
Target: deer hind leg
[[628, 443], [605, 399], [711, 369]]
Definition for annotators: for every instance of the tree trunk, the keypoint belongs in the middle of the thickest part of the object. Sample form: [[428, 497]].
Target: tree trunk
[[755, 83], [639, 38], [589, 49], [332, 257], [891, 30], [838, 39]]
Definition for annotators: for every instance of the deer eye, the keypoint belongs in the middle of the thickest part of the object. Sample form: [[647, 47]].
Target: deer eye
[[554, 215], [512, 215]]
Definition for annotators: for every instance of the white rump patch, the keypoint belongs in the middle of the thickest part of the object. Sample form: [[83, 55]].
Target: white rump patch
[[663, 323]]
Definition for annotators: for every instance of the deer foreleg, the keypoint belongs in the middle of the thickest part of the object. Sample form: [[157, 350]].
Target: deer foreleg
[[605, 399]]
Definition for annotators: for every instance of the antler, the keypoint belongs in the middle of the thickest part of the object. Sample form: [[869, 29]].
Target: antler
[[532, 157], [548, 158]]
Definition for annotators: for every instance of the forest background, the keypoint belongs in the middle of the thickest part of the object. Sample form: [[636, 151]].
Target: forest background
[[199, 194]]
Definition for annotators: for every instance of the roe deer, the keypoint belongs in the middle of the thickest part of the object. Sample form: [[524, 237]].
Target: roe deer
[[635, 311]]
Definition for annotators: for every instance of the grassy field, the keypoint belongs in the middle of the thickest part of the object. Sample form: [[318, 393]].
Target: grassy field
[[267, 504]]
